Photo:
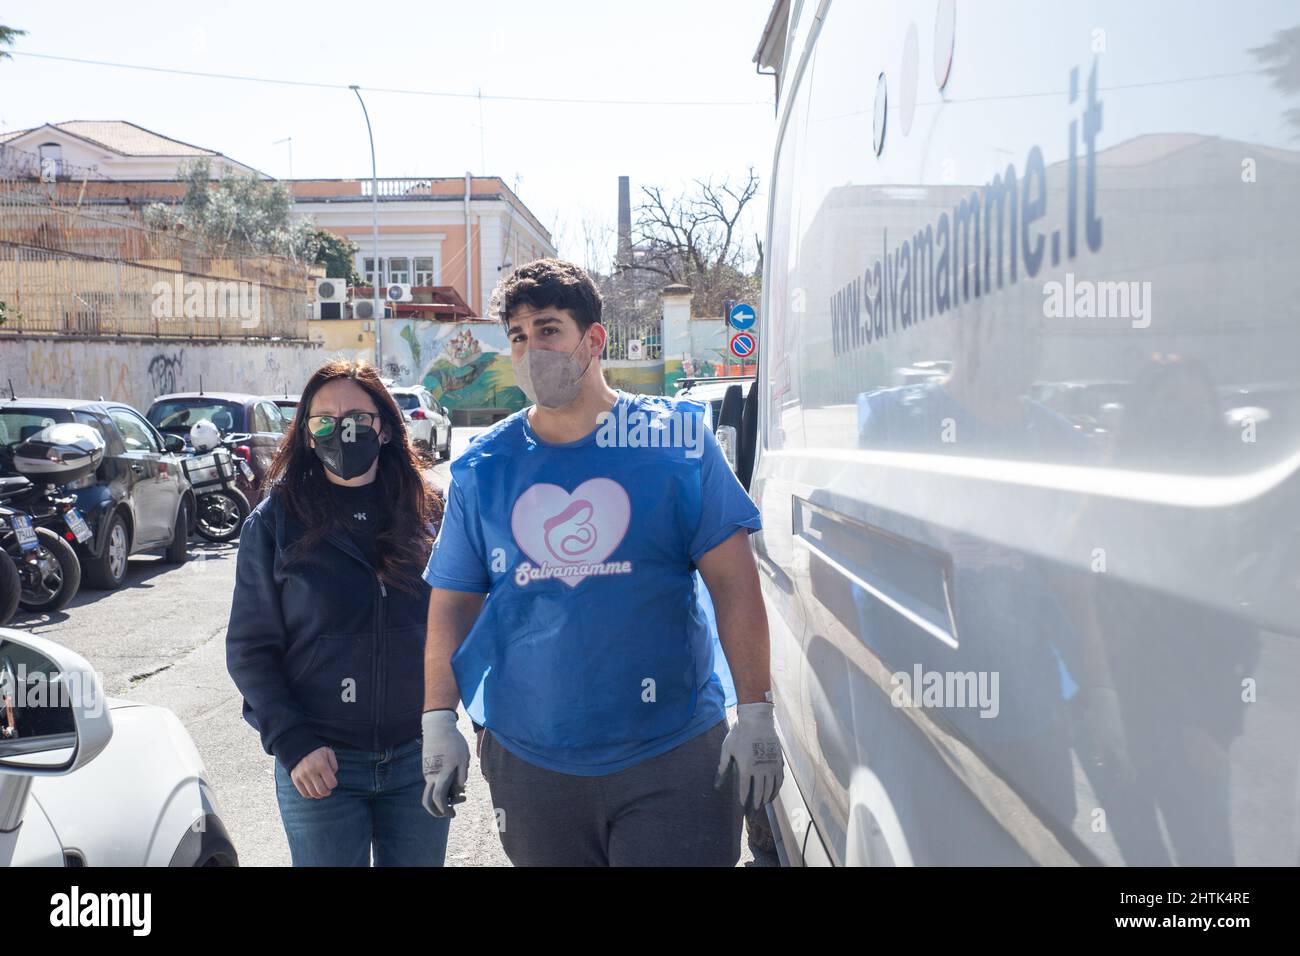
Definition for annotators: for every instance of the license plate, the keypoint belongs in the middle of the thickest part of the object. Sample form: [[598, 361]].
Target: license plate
[[77, 525], [26, 535], [246, 468]]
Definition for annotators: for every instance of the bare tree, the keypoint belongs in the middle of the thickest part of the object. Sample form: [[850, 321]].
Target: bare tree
[[694, 239]]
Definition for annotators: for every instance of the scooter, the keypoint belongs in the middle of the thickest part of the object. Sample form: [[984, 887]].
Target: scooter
[[215, 474], [40, 519], [41, 515]]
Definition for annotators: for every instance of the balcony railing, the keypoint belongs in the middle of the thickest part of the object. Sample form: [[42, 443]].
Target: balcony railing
[[398, 187], [18, 164]]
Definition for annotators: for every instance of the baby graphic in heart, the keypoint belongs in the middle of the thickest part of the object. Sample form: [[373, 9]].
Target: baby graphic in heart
[[554, 527]]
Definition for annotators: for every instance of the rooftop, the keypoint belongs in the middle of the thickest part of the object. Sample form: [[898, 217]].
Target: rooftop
[[121, 137]]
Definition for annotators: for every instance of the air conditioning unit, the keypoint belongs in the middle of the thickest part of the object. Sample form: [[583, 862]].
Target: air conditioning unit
[[365, 309], [327, 310], [331, 290], [398, 292]]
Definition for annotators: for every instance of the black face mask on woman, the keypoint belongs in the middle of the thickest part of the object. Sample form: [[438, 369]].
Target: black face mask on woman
[[348, 459]]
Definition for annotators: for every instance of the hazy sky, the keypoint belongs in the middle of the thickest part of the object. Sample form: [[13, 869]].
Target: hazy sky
[[565, 157]]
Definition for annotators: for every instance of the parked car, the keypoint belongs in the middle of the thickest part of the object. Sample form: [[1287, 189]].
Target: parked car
[[288, 405], [93, 781], [428, 423], [711, 392], [233, 413], [136, 500]]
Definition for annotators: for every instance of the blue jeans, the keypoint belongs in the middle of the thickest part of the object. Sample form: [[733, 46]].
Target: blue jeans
[[376, 806]]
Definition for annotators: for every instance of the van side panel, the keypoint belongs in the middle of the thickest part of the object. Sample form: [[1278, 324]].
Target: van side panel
[[1030, 432]]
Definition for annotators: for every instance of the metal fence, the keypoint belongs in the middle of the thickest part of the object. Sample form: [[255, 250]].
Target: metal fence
[[619, 346], [72, 270]]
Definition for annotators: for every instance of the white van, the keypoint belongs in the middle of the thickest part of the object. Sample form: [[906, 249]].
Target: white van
[[1028, 430]]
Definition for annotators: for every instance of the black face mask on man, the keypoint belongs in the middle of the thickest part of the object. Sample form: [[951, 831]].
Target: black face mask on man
[[349, 449]]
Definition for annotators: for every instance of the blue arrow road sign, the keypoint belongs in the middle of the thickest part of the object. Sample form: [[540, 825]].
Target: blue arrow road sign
[[742, 316], [742, 344]]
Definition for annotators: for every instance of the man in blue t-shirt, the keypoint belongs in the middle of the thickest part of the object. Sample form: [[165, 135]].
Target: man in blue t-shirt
[[565, 616]]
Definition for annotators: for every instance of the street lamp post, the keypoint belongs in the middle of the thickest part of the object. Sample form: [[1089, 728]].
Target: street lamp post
[[374, 221]]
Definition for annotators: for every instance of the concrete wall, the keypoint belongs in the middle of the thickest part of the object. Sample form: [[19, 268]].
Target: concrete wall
[[353, 338], [138, 371], [693, 346], [643, 378]]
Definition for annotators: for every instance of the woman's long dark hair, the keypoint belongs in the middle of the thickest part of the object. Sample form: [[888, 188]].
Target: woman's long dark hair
[[409, 503]]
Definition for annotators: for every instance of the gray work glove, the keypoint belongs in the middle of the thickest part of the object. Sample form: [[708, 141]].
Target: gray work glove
[[445, 762], [753, 746]]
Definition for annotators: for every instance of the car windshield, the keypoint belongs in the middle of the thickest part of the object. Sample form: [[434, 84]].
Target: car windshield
[[19, 424], [406, 400], [178, 415]]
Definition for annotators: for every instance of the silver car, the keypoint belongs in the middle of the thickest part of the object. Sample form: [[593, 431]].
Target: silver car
[[428, 423], [87, 780]]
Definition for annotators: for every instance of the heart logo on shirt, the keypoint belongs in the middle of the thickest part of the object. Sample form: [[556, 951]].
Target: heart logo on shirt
[[554, 527]]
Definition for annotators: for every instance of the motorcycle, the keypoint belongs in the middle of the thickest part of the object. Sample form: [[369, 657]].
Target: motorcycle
[[41, 518], [214, 472]]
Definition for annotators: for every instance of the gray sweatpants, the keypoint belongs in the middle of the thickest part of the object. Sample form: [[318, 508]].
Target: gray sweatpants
[[662, 812]]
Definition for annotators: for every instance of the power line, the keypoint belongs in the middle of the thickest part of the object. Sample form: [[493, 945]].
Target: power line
[[380, 89]]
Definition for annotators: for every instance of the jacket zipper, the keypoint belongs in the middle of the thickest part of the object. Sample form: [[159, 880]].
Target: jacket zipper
[[377, 660], [377, 668]]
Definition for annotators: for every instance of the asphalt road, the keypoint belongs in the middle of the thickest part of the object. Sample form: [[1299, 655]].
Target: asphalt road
[[160, 639]]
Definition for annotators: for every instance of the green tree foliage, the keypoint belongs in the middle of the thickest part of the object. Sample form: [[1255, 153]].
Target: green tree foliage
[[7, 37], [237, 211], [336, 254]]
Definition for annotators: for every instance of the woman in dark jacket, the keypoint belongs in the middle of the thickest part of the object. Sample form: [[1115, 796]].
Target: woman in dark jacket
[[327, 627]]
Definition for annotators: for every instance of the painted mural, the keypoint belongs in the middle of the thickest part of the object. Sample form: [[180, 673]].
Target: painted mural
[[465, 365]]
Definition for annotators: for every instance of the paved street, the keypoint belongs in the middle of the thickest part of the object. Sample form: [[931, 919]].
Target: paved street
[[160, 639]]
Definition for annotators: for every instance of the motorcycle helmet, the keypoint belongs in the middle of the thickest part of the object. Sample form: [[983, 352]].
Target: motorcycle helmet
[[204, 435]]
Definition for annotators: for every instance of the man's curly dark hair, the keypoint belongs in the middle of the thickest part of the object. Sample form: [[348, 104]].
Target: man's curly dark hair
[[547, 283]]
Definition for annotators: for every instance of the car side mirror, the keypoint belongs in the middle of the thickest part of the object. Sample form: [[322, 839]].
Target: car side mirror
[[54, 718], [727, 430], [733, 403], [174, 444]]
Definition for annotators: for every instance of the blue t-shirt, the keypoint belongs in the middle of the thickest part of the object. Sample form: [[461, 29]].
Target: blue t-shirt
[[591, 653]]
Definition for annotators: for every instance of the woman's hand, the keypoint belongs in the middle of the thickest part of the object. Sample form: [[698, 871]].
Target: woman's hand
[[314, 775]]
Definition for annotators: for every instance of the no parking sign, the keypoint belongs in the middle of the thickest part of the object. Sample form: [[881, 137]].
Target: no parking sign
[[743, 344]]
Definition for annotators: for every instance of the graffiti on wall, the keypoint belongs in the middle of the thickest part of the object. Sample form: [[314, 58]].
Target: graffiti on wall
[[50, 369], [165, 372], [464, 364], [138, 372], [55, 371]]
